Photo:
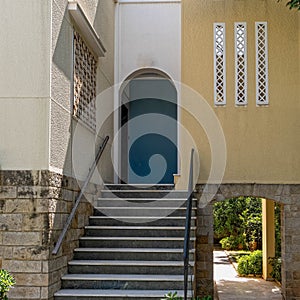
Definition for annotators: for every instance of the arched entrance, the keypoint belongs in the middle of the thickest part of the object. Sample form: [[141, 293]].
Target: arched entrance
[[284, 194], [148, 129]]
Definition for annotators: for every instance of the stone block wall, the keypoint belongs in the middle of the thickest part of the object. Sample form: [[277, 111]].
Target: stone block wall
[[34, 206], [204, 251], [286, 194]]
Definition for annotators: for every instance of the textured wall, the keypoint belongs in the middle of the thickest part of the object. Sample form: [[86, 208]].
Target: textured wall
[[34, 206], [73, 145], [262, 142]]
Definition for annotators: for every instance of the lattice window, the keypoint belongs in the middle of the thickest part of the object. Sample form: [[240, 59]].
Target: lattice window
[[262, 97], [219, 64], [85, 65], [240, 31]]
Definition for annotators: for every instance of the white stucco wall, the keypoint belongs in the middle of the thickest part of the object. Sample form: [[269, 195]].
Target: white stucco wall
[[149, 36], [24, 84]]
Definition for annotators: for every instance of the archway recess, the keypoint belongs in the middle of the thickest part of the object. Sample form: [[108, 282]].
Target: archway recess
[[148, 128], [287, 195]]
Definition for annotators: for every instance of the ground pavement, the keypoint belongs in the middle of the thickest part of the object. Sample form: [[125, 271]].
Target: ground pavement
[[231, 287]]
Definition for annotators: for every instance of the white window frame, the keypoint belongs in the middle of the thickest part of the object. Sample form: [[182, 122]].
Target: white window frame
[[266, 67], [223, 102], [237, 67]]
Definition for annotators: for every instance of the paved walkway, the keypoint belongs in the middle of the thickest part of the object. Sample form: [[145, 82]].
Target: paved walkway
[[232, 287]]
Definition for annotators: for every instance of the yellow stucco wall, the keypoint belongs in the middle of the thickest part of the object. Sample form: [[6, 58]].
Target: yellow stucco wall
[[262, 142]]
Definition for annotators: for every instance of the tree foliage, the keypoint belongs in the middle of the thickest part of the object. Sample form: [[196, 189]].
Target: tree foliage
[[239, 218], [293, 4], [239, 221]]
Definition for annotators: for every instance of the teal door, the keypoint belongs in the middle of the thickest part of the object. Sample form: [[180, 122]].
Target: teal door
[[152, 131]]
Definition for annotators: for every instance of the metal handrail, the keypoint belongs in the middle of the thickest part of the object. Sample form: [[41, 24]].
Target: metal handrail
[[78, 199], [186, 249]]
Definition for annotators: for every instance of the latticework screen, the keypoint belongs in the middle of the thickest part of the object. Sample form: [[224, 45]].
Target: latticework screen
[[219, 64], [240, 64], [262, 97], [85, 67]]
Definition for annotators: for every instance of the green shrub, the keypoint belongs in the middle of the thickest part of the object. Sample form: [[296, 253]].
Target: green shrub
[[174, 296], [243, 265], [250, 264], [6, 282], [233, 242], [275, 262], [229, 243]]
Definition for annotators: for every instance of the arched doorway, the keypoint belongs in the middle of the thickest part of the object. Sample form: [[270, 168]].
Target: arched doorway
[[148, 128], [280, 194]]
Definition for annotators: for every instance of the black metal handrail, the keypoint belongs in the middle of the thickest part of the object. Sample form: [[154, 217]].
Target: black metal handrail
[[186, 248], [78, 199]]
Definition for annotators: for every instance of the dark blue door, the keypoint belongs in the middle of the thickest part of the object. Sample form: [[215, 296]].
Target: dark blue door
[[152, 131]]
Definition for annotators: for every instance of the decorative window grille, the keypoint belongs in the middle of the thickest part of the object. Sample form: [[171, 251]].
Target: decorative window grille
[[219, 64], [261, 34], [240, 31], [85, 65]]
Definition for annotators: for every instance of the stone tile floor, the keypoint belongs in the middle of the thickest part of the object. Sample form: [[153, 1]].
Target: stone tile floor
[[232, 287]]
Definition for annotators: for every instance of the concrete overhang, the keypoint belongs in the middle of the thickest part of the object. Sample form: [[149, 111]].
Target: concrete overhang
[[86, 29]]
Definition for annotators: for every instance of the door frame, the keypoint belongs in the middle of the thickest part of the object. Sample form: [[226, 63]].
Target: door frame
[[118, 93]]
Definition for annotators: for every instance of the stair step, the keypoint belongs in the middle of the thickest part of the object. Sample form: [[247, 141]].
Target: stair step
[[130, 253], [135, 242], [151, 202], [153, 221], [126, 267], [143, 187], [136, 231], [92, 294], [122, 281], [158, 212], [143, 194]]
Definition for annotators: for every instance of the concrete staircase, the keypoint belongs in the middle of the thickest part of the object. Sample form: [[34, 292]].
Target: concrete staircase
[[133, 246]]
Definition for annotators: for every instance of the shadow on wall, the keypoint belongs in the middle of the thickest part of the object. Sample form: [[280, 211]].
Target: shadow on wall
[[73, 148]]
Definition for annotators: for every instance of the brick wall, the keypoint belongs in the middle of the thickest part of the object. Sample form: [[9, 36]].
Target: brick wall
[[34, 206]]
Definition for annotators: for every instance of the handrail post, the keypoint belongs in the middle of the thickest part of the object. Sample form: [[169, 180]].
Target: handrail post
[[186, 249], [78, 199]]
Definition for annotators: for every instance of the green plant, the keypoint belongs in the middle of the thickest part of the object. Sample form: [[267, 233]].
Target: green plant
[[229, 243], [277, 230], [6, 282], [250, 264], [240, 219], [171, 296], [275, 262], [174, 296], [233, 242]]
